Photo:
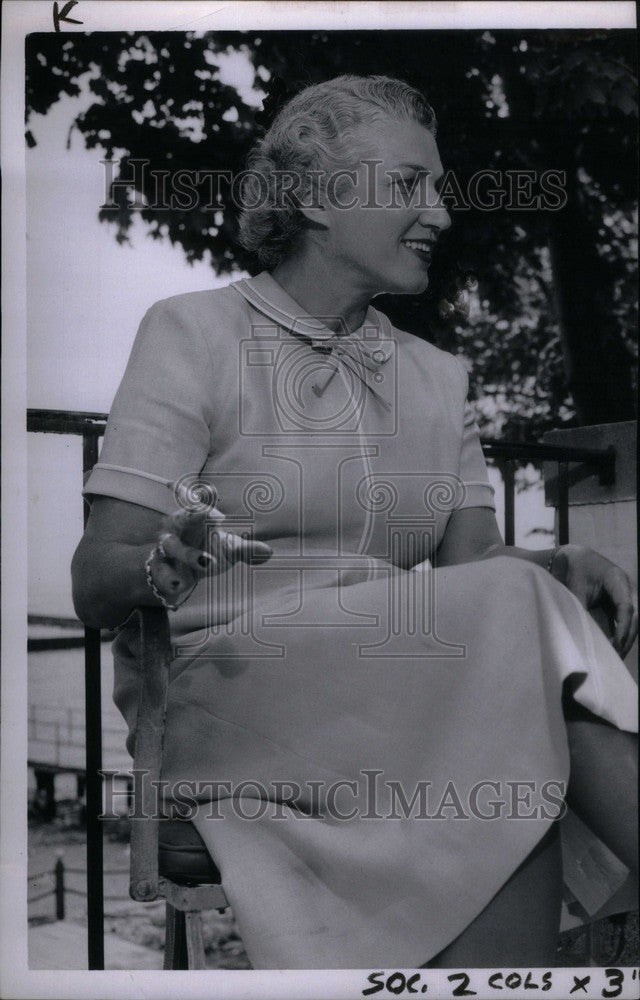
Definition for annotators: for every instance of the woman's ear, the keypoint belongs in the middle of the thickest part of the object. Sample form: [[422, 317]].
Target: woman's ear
[[311, 201], [316, 214]]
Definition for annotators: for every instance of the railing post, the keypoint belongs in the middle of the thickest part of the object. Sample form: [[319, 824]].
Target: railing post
[[93, 750], [563, 503], [59, 890], [509, 479]]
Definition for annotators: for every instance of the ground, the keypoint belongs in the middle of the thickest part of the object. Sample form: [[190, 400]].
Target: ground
[[143, 923]]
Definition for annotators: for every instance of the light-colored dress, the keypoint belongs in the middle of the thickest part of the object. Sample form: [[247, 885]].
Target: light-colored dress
[[376, 717]]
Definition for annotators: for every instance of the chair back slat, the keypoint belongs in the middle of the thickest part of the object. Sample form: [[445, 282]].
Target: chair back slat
[[155, 658]]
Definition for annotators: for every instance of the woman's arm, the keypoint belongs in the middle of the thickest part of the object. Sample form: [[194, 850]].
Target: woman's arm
[[472, 534], [107, 571], [109, 576]]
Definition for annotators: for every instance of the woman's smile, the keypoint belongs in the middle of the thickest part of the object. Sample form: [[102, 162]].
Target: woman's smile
[[420, 248]]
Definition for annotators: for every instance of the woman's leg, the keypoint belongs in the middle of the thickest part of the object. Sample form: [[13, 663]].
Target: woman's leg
[[603, 784], [520, 926]]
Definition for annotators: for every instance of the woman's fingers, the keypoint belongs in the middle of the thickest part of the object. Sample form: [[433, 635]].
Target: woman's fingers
[[248, 550], [197, 539], [229, 548], [622, 619], [171, 578], [624, 600], [172, 549], [626, 626], [633, 630], [596, 581], [192, 527]]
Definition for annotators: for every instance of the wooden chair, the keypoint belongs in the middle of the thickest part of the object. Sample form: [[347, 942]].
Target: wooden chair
[[169, 859]]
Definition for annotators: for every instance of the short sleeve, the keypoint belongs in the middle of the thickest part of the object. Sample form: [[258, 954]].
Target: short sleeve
[[473, 469], [159, 427]]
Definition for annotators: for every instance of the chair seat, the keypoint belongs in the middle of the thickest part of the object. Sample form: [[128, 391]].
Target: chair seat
[[182, 855]]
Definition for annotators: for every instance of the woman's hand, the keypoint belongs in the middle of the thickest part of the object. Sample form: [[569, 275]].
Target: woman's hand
[[597, 582], [472, 533], [192, 545], [109, 568]]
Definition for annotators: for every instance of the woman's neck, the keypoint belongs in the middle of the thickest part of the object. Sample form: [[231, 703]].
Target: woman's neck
[[323, 291]]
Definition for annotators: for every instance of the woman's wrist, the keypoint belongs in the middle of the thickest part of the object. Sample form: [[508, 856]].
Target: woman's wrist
[[138, 592], [559, 558], [135, 592], [551, 559], [169, 590], [109, 582]]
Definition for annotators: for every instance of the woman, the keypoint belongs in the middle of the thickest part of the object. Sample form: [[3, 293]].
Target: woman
[[322, 667]]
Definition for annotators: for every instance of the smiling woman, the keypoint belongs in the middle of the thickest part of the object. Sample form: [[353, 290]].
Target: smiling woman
[[356, 616], [366, 164], [381, 242]]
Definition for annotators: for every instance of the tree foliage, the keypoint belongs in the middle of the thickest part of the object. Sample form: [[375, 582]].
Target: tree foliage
[[550, 336]]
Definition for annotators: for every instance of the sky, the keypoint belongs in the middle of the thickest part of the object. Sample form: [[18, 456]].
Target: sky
[[86, 295], [85, 298]]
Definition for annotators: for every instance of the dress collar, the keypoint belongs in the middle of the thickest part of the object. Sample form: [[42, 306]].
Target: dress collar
[[266, 295], [352, 351]]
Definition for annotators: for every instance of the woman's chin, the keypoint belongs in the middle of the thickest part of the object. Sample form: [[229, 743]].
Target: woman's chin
[[411, 285], [407, 281]]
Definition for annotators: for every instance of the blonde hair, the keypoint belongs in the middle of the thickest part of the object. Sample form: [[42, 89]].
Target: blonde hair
[[316, 131]]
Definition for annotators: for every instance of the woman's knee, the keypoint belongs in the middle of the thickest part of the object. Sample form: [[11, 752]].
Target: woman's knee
[[520, 925]]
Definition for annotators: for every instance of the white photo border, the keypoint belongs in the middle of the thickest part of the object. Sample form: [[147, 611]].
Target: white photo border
[[18, 19]]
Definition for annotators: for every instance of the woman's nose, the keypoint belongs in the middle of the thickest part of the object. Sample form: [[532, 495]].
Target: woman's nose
[[435, 216]]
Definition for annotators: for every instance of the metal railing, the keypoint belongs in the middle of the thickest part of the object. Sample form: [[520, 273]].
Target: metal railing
[[90, 426], [56, 737], [57, 885]]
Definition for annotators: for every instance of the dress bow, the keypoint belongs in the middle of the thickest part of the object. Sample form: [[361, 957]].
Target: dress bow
[[358, 359]]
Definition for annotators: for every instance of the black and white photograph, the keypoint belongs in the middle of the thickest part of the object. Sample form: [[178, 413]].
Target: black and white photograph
[[319, 491]]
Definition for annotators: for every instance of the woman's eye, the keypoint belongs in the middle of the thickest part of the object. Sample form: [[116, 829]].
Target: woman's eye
[[405, 183]]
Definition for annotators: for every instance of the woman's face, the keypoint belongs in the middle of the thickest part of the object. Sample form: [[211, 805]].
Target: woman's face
[[384, 242]]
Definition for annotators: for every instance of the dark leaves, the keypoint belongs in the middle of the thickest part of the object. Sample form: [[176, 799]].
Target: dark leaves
[[571, 98]]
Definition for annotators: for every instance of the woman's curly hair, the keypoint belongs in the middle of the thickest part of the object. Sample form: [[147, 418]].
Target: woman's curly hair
[[315, 131]]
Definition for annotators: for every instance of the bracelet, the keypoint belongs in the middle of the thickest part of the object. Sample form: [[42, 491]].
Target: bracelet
[[158, 550], [552, 557], [117, 628]]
